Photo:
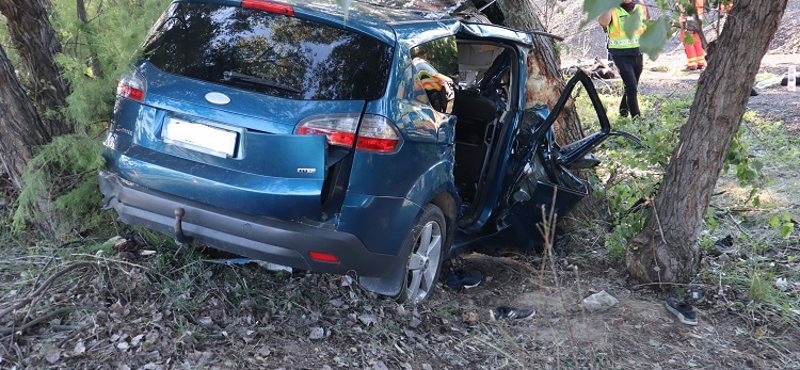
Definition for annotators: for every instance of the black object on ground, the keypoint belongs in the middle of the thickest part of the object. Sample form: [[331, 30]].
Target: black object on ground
[[682, 310], [464, 279], [511, 313]]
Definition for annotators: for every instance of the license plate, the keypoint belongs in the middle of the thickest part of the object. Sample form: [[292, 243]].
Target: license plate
[[202, 138]]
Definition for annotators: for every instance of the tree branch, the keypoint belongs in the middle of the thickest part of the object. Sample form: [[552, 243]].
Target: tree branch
[[43, 287]]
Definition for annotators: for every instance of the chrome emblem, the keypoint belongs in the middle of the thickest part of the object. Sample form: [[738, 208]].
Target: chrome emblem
[[217, 98], [306, 170]]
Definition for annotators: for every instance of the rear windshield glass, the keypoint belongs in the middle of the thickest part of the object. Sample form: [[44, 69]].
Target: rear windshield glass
[[268, 53]]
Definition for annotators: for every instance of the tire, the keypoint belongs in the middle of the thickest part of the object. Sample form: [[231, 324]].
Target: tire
[[426, 250]]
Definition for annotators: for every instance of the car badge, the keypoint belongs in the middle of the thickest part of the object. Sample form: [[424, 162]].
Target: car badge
[[217, 98], [306, 170]]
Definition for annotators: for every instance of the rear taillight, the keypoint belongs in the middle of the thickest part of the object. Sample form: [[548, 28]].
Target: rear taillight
[[132, 86], [376, 134], [269, 7], [340, 129]]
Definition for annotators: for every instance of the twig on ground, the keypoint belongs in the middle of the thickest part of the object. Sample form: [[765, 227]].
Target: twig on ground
[[43, 287], [548, 232], [36, 321], [500, 350], [738, 226]]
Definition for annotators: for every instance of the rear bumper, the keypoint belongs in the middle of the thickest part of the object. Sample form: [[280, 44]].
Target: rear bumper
[[279, 241]]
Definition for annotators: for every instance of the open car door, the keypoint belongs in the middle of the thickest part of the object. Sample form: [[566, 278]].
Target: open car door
[[543, 178]]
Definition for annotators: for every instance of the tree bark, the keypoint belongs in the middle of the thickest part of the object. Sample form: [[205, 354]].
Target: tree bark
[[22, 130], [37, 45], [667, 250], [545, 82]]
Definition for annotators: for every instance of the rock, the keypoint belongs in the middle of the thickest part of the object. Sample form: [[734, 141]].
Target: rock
[[599, 301], [317, 333]]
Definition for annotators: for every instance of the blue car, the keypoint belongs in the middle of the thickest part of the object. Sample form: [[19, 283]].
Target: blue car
[[375, 143]]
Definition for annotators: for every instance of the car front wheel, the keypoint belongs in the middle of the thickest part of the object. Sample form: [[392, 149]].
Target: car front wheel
[[425, 257]]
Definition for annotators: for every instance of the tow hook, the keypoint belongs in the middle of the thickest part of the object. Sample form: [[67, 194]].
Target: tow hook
[[179, 236]]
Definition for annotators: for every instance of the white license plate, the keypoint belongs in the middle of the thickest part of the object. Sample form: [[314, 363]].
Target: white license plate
[[203, 138]]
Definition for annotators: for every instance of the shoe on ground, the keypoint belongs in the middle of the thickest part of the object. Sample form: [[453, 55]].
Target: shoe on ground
[[682, 310], [464, 279], [511, 313]]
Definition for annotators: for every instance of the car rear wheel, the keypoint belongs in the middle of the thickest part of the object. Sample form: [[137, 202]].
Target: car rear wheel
[[425, 257]]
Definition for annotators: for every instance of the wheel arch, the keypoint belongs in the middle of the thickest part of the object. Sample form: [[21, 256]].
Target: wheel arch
[[447, 203]]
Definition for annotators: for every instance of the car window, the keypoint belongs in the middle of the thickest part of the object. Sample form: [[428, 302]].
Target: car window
[[268, 53], [441, 54], [435, 64]]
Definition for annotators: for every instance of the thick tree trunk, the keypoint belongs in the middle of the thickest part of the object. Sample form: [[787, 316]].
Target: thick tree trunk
[[20, 126], [545, 82], [37, 45], [667, 250]]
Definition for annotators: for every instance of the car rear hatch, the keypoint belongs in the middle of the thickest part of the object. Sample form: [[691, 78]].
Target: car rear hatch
[[232, 104]]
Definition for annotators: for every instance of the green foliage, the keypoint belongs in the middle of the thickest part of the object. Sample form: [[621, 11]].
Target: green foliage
[[658, 31], [594, 8], [632, 22], [97, 52], [630, 175], [72, 162], [656, 36], [783, 223]]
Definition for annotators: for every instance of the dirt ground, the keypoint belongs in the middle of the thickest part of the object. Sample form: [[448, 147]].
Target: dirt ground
[[141, 310]]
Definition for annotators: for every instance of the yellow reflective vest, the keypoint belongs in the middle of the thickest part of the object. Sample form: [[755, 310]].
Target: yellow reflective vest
[[617, 39]]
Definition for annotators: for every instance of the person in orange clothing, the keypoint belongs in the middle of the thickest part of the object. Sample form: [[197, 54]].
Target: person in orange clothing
[[691, 20], [725, 7]]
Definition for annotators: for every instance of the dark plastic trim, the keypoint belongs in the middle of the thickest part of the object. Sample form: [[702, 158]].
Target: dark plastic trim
[[284, 242]]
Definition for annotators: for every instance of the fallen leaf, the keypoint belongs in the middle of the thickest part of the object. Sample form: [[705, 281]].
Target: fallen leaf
[[135, 341], [205, 321], [80, 347], [367, 319], [52, 354]]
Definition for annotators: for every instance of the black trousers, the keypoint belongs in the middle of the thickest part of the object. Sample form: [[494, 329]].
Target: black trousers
[[630, 68]]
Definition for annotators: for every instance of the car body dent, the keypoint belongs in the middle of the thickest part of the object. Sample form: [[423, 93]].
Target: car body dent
[[413, 33], [484, 31]]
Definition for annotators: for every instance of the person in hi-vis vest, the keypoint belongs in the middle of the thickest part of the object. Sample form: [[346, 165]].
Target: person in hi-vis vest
[[691, 20], [625, 52]]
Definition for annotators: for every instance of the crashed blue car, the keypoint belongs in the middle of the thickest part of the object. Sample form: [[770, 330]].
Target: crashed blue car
[[377, 143]]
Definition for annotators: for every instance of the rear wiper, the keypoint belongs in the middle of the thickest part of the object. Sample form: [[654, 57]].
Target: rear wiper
[[228, 76]]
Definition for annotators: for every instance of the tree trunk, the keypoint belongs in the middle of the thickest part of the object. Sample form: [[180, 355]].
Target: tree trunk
[[19, 123], [37, 45], [666, 250], [545, 82]]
